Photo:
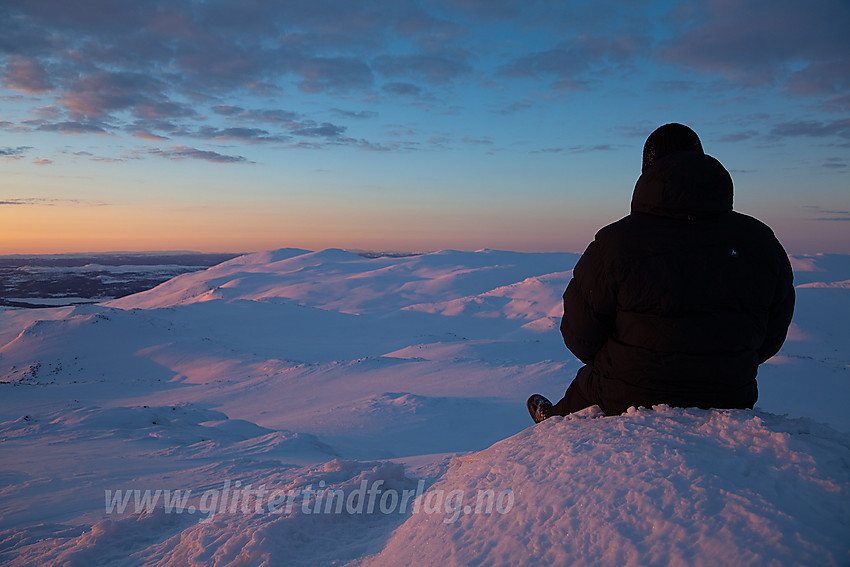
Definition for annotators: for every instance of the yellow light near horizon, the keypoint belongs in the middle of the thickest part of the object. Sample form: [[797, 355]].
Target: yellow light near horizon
[[211, 227], [46, 229], [29, 229]]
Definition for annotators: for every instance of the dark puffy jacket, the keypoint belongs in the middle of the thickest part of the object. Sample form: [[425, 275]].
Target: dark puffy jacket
[[680, 301]]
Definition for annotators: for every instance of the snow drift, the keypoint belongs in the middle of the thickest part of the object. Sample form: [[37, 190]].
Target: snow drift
[[663, 487]]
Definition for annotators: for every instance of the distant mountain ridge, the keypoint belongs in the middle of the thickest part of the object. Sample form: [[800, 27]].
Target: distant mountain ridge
[[50, 280]]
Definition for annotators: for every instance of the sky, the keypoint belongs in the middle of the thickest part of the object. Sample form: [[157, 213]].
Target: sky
[[236, 126]]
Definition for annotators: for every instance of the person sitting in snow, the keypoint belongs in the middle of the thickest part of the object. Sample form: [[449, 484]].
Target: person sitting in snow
[[680, 301]]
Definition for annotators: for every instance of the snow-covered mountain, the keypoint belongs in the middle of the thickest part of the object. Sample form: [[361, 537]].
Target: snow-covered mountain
[[328, 377]]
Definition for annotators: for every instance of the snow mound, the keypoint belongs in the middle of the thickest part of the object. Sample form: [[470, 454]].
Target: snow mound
[[820, 268], [827, 285], [342, 281], [664, 487], [533, 298]]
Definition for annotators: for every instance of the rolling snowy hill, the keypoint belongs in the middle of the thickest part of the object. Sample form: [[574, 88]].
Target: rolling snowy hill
[[335, 381]]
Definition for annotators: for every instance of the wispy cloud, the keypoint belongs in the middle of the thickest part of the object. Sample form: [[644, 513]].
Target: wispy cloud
[[477, 141], [355, 114], [403, 89], [334, 74], [72, 127], [26, 75], [802, 46], [431, 68], [836, 163], [184, 152], [813, 128], [174, 74], [14, 153], [49, 202], [579, 63], [517, 106], [240, 134], [594, 148], [143, 133], [738, 136], [153, 65], [325, 130], [97, 158], [576, 149], [828, 215]]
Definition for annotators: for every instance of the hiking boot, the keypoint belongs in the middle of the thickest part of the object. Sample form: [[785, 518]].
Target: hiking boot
[[539, 407]]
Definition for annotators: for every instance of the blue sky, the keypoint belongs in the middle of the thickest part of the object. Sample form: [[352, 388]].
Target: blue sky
[[409, 125]]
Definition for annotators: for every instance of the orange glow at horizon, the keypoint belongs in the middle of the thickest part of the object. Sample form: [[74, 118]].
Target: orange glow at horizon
[[53, 229], [59, 228], [62, 229]]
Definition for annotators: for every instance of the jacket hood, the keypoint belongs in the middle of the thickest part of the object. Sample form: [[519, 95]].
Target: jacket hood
[[685, 184]]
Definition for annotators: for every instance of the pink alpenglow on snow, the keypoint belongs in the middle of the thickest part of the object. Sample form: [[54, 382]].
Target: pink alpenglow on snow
[[314, 408]]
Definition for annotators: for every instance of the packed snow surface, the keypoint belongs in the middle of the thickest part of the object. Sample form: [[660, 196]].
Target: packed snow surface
[[314, 408], [663, 487]]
